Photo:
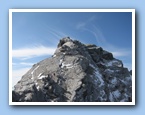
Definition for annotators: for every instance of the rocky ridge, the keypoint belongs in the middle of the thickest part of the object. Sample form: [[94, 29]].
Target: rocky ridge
[[76, 73]]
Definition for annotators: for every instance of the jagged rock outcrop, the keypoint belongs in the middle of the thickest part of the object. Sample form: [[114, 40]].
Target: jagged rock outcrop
[[76, 73]]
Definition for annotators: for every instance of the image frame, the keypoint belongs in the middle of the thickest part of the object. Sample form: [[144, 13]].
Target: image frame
[[71, 10]]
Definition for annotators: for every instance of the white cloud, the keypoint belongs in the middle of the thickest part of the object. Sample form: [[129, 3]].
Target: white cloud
[[17, 74], [121, 53], [80, 25], [98, 36], [92, 18], [23, 63], [56, 34], [26, 53], [27, 64], [128, 65]]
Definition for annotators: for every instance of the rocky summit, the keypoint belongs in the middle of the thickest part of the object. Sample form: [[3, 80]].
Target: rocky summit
[[76, 73]]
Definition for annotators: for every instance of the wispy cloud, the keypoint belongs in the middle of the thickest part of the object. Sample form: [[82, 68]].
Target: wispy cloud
[[92, 18], [56, 34], [22, 63], [83, 24], [26, 53], [54, 31], [27, 64], [118, 52], [102, 41]]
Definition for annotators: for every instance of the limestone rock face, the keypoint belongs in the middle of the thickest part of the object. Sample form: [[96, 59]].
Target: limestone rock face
[[75, 73]]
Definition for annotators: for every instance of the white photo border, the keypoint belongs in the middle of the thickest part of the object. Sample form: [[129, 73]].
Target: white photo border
[[71, 10]]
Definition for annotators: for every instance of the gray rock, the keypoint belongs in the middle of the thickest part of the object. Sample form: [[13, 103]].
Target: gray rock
[[75, 73], [130, 72], [107, 55]]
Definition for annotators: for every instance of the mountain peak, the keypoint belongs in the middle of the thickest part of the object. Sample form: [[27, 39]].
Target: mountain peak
[[76, 73]]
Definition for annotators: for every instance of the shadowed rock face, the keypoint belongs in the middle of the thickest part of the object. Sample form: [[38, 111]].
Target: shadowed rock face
[[75, 73]]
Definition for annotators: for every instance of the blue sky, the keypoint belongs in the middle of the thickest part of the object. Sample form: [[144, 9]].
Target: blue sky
[[36, 35]]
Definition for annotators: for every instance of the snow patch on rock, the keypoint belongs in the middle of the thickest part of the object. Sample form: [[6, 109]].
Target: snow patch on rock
[[114, 81], [116, 94], [97, 74], [111, 97], [43, 76], [114, 63], [32, 73]]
